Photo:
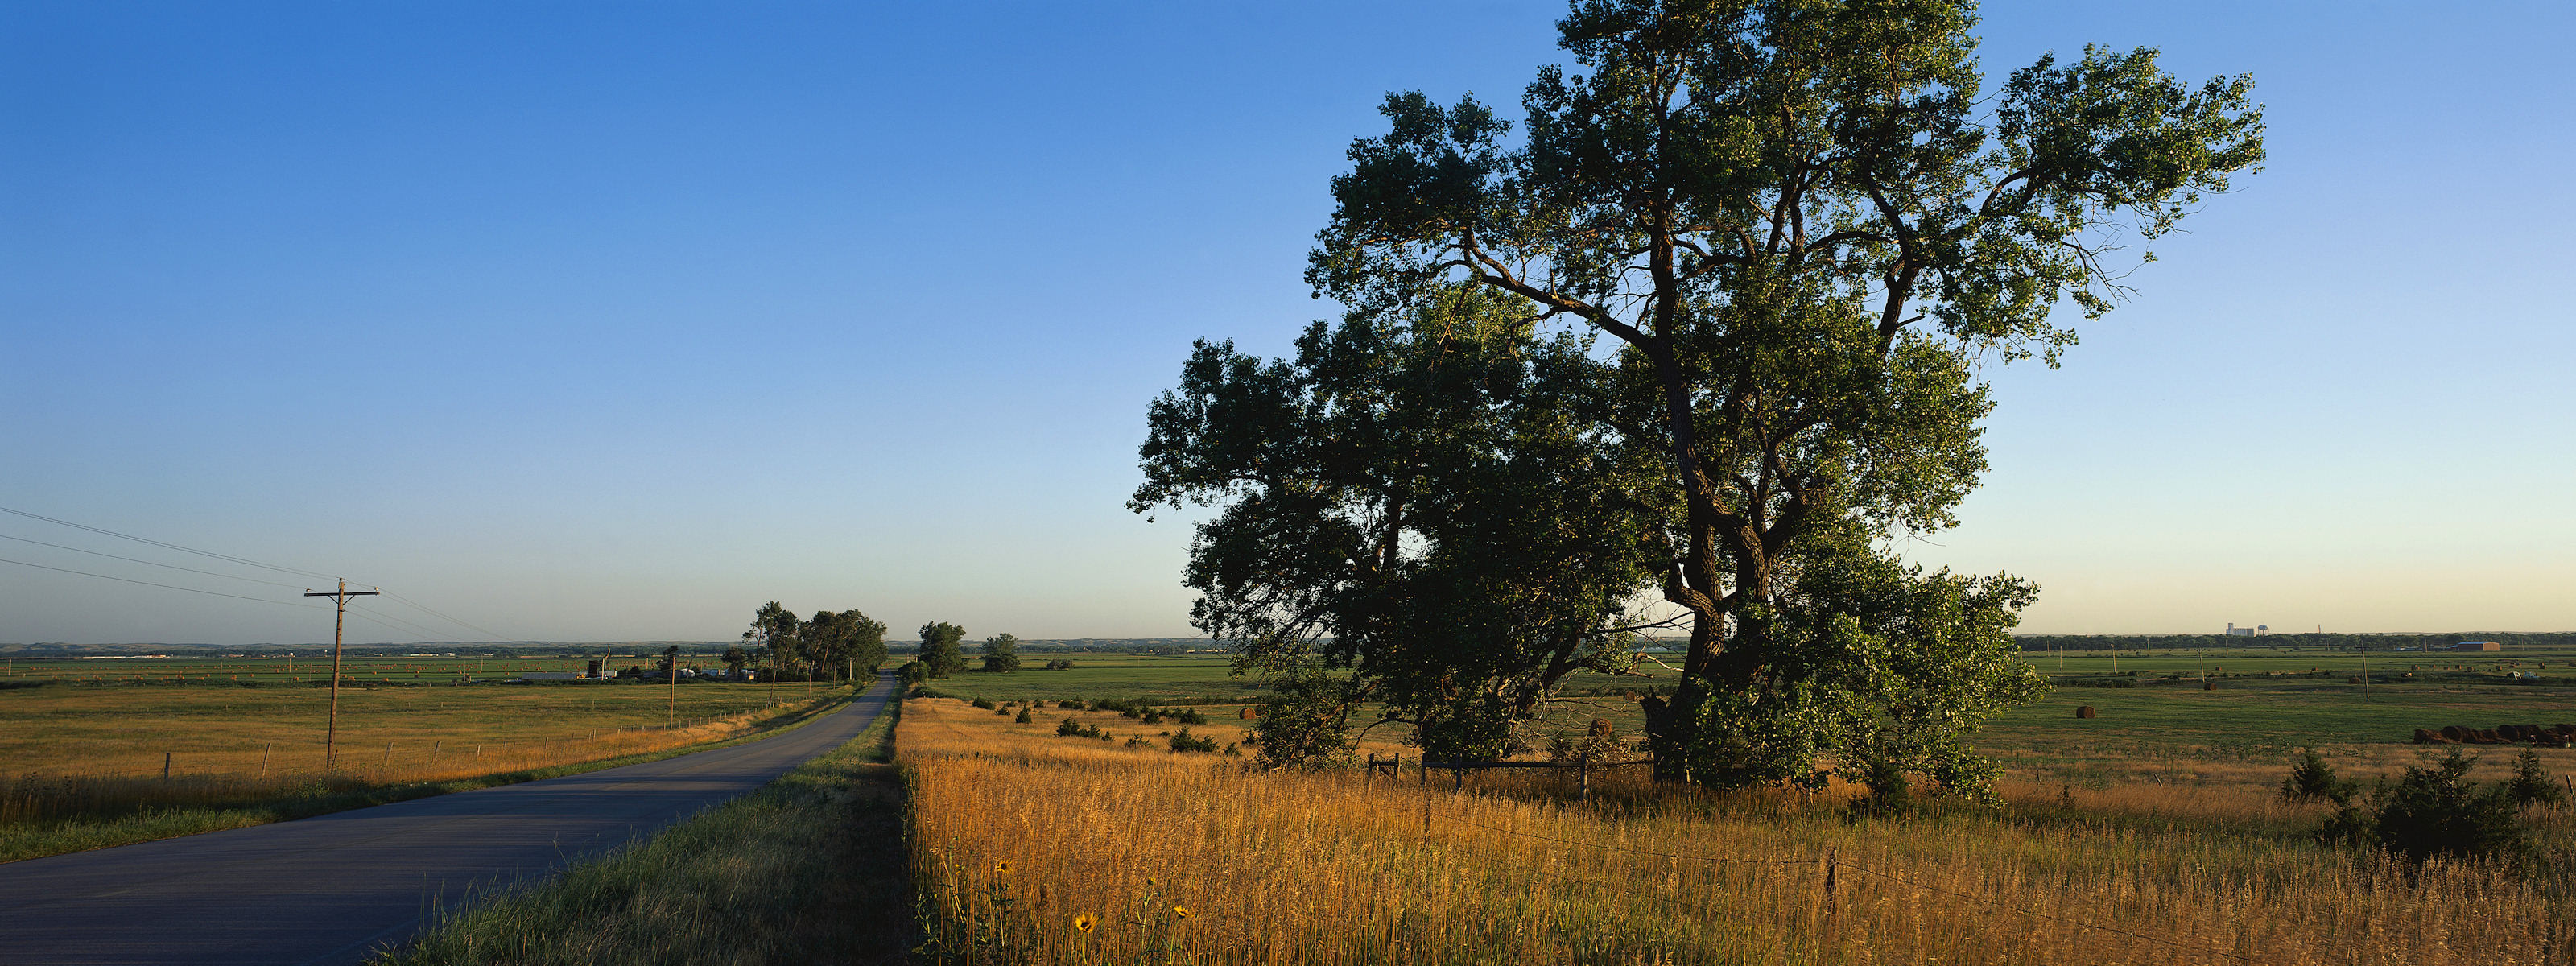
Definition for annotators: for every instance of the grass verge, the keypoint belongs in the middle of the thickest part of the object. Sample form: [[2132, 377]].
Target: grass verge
[[303, 798], [809, 869]]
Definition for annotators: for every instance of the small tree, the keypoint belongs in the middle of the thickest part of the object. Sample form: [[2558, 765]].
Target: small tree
[[2312, 780], [1002, 653], [734, 658], [940, 648], [2436, 811], [2532, 786], [913, 673]]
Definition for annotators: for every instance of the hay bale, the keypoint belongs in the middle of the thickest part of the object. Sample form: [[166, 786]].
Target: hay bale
[[1600, 728], [2085, 711], [1248, 713], [2427, 736], [2208, 685]]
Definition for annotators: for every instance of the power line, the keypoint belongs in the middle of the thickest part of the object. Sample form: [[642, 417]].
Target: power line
[[451, 620], [147, 583], [153, 563], [425, 633], [172, 546]]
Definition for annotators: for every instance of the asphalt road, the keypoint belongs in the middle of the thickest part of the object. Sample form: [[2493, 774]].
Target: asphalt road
[[329, 889]]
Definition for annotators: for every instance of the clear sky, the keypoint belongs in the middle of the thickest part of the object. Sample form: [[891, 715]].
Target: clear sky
[[584, 321]]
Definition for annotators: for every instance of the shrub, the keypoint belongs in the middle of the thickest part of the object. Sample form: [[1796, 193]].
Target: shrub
[[1150, 715], [2530, 785], [984, 703], [2435, 810], [1182, 740], [1069, 705], [1138, 741], [2312, 779], [1190, 716], [1059, 664], [1023, 717]]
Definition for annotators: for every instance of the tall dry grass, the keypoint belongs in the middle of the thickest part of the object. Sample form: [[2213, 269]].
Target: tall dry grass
[[1017, 834]]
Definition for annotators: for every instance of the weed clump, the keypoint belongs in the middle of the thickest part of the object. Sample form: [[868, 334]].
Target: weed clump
[[2532, 786], [1183, 741], [2312, 779], [2435, 811]]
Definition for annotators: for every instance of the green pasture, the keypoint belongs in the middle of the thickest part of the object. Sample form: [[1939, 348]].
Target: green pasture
[[2265, 700]]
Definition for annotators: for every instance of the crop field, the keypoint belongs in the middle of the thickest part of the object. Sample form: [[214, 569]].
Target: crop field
[[171, 747], [1034, 847], [2154, 717]]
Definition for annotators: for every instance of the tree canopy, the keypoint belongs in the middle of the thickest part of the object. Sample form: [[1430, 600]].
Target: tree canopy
[[941, 650], [1695, 342], [1002, 653]]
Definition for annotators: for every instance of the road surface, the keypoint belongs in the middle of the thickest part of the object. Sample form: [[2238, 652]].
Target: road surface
[[329, 889]]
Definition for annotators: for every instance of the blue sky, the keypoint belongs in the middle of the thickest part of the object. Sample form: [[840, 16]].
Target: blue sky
[[611, 321]]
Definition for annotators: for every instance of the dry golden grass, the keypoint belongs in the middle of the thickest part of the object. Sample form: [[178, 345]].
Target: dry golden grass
[[1018, 833]]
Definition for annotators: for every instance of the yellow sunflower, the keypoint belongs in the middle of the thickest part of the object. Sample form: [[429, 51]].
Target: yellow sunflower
[[1084, 921], [1181, 911]]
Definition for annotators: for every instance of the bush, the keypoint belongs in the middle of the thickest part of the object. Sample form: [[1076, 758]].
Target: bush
[[2312, 780], [2532, 786], [1190, 716], [1023, 718], [984, 703], [1069, 705], [1138, 741], [1182, 740], [2436, 811], [1059, 664], [1072, 728]]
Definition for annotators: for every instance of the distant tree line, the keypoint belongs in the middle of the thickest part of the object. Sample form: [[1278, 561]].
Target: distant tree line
[[943, 653], [828, 646], [2335, 642]]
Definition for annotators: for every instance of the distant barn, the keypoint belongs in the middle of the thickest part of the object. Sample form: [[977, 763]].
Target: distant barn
[[2480, 646]]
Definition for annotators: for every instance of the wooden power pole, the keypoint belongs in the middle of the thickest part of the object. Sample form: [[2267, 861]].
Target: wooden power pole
[[339, 623]]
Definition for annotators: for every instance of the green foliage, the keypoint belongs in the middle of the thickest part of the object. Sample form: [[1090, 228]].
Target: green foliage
[[913, 673], [1307, 723], [2312, 779], [1803, 227], [984, 703], [2531, 785], [2434, 810], [1002, 653], [941, 649], [846, 643], [1023, 717], [1183, 741]]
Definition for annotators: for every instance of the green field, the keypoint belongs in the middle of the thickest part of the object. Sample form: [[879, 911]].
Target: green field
[[2265, 700]]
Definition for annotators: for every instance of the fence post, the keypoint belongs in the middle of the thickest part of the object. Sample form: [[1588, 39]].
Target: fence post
[[1833, 910], [389, 755], [263, 758], [1583, 773], [433, 752], [165, 766]]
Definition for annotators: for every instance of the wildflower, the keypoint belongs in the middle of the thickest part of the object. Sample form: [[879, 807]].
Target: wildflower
[[1002, 867], [1084, 921], [1181, 911], [1149, 881]]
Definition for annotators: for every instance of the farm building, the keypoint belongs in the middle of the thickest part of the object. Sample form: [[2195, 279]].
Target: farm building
[[2480, 646]]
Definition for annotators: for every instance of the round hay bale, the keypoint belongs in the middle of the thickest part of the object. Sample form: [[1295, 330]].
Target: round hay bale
[[1248, 714], [1601, 727], [2209, 685], [2085, 711]]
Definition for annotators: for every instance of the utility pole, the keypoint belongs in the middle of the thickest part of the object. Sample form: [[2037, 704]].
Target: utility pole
[[673, 656], [339, 623]]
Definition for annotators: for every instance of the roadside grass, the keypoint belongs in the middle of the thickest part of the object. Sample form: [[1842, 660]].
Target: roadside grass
[[1023, 838], [43, 815], [807, 870]]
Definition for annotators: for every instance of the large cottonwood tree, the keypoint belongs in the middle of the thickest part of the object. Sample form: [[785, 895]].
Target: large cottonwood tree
[[1799, 227]]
